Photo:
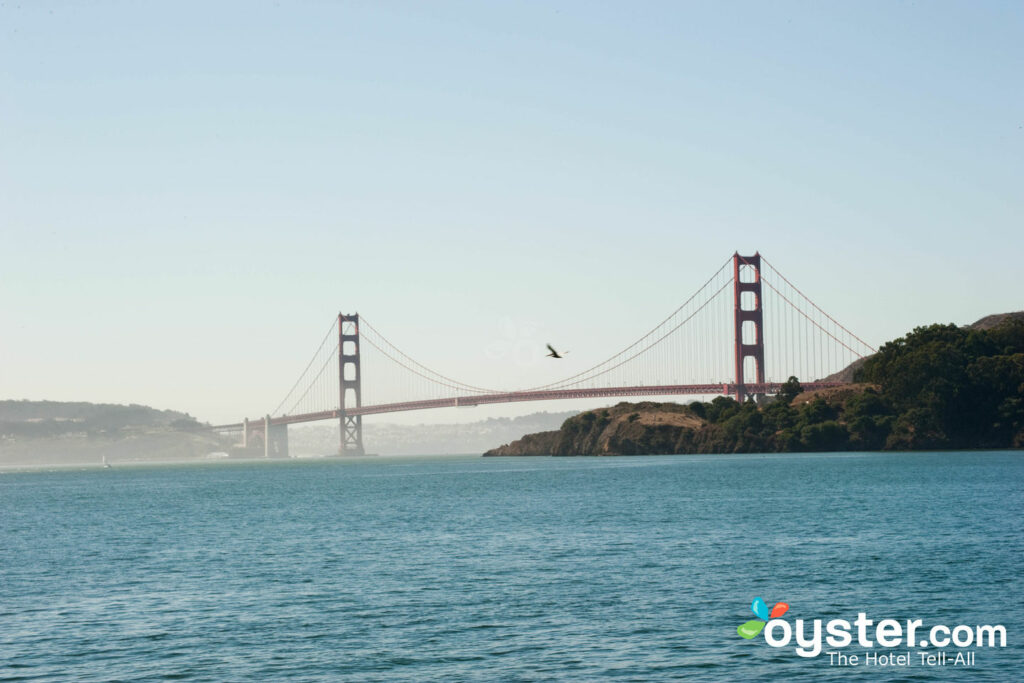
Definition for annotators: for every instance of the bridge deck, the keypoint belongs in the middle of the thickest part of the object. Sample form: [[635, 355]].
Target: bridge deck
[[516, 396]]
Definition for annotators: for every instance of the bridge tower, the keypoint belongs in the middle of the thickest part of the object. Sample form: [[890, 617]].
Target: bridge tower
[[753, 315], [350, 384]]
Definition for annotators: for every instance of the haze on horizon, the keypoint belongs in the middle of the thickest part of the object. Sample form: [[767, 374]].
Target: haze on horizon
[[190, 193]]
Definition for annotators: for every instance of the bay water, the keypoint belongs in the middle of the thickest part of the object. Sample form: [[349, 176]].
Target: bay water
[[468, 568]]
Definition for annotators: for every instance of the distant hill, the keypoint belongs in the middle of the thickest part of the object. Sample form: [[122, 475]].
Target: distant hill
[[38, 433], [53, 418], [990, 321], [846, 374]]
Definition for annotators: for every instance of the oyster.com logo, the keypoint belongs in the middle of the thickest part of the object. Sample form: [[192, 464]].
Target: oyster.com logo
[[813, 636], [760, 608]]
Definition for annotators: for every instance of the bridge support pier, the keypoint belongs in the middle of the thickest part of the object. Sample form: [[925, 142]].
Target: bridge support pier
[[350, 382], [753, 315], [275, 441]]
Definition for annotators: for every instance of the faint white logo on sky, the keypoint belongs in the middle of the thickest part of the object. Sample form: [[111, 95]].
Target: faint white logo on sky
[[517, 343]]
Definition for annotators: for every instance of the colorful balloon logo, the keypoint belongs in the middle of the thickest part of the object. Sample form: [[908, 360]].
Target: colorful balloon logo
[[760, 608]]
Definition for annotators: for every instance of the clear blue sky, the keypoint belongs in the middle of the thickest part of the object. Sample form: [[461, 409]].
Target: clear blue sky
[[190, 191]]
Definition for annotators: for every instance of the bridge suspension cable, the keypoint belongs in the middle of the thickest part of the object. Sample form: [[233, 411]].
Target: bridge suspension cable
[[802, 340], [818, 308], [323, 357], [379, 342], [694, 304]]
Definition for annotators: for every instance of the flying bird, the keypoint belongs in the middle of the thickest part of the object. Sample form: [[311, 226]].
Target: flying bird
[[555, 354]]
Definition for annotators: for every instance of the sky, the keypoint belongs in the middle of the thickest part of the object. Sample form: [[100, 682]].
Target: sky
[[190, 192]]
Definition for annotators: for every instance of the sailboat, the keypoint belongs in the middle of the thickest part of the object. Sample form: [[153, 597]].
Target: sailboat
[[106, 465]]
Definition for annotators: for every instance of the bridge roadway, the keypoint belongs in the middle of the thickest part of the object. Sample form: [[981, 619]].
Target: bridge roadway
[[514, 396]]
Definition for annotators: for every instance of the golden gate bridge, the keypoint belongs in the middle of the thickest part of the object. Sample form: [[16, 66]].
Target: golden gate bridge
[[745, 317]]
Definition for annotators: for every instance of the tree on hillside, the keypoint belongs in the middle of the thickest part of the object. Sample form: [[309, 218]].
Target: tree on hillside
[[790, 390]]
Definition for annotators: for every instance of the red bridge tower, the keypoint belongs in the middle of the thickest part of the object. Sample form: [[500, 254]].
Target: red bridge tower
[[351, 383], [751, 314]]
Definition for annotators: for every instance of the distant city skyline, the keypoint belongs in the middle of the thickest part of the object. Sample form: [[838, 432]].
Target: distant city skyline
[[190, 193]]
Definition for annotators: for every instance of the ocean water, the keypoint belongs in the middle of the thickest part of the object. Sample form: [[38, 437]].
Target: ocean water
[[466, 569]]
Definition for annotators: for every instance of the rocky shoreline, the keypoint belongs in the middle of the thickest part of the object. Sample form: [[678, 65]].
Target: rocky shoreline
[[645, 428]]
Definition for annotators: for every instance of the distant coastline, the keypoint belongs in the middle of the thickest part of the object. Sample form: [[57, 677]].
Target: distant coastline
[[54, 432], [45, 433]]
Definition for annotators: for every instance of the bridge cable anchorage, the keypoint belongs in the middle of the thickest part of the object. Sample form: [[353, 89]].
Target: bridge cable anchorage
[[565, 380], [330, 333]]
